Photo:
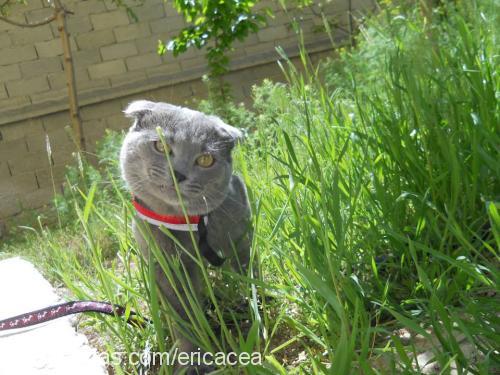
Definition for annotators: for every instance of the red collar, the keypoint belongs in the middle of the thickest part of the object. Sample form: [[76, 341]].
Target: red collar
[[169, 221]]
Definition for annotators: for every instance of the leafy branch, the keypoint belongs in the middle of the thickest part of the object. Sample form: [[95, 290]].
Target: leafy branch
[[216, 25]]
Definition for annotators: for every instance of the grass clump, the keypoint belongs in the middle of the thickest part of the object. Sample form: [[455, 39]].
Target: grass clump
[[375, 197]]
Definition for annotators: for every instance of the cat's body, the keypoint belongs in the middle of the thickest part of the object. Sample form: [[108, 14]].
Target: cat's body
[[199, 149]]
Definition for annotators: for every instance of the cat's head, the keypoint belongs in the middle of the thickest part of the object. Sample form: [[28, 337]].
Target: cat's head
[[198, 147]]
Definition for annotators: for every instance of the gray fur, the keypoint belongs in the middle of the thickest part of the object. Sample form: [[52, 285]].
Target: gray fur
[[212, 191]]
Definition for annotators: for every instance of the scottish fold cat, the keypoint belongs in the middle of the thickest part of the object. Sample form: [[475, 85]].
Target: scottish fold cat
[[199, 148]]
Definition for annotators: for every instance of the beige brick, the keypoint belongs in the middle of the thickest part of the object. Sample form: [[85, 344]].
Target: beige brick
[[117, 51], [107, 69], [27, 163], [9, 148], [55, 121], [6, 187], [143, 61], [110, 5], [44, 176], [82, 59], [49, 48], [148, 12], [4, 26], [260, 48], [148, 44], [176, 94], [14, 103], [78, 25], [101, 110], [93, 85], [249, 40], [38, 15], [4, 170], [164, 69], [94, 129], [237, 53], [9, 73], [169, 9], [37, 198], [199, 89], [64, 156], [17, 54], [170, 25], [281, 17], [88, 7], [117, 122], [58, 80], [36, 143], [26, 36], [5, 40], [72, 44], [9, 206], [50, 97], [22, 7], [131, 32], [20, 184], [3, 91], [95, 39], [40, 67], [273, 33], [261, 72], [60, 139], [128, 78], [272, 5], [27, 86], [194, 64], [18, 130], [109, 19]]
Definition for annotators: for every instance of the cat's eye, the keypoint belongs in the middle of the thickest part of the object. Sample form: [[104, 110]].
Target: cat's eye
[[205, 160], [162, 148]]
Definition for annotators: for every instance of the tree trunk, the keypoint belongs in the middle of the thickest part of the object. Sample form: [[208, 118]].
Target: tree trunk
[[74, 110]]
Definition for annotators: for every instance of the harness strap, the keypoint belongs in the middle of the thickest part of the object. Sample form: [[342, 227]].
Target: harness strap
[[206, 250], [180, 223]]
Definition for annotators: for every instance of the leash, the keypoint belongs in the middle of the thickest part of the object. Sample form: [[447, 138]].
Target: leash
[[179, 223], [69, 308]]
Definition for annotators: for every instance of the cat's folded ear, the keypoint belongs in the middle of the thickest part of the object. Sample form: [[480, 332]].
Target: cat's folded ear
[[138, 109], [231, 133]]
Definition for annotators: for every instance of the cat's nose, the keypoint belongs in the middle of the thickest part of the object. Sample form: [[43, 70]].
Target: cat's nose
[[179, 176]]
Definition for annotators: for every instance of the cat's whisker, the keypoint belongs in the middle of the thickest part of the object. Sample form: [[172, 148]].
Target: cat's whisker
[[206, 203]]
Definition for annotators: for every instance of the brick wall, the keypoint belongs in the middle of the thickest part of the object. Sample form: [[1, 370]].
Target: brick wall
[[115, 62]]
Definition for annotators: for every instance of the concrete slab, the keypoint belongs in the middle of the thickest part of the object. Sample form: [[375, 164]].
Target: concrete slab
[[53, 348]]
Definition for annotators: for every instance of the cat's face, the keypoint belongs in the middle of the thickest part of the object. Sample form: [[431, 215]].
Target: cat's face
[[198, 147]]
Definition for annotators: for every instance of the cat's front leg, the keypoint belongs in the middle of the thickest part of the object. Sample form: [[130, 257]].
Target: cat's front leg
[[240, 259], [175, 289], [230, 227], [176, 295]]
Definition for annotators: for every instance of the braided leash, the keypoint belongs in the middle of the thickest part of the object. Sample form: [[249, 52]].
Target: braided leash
[[75, 307], [69, 308]]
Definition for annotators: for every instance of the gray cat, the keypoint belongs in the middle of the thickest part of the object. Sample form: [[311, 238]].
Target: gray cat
[[199, 149]]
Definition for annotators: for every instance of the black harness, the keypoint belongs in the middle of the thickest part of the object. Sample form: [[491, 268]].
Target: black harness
[[205, 249]]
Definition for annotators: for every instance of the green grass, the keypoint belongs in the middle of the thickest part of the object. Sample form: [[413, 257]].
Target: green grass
[[375, 187]]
